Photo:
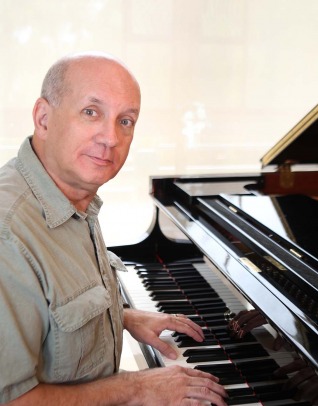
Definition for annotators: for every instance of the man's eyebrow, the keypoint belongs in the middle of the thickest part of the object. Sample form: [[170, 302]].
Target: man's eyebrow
[[132, 110], [93, 99]]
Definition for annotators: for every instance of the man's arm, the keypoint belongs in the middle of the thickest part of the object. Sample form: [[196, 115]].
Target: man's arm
[[172, 386]]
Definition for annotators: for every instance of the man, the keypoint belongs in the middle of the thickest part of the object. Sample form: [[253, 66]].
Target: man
[[61, 314]]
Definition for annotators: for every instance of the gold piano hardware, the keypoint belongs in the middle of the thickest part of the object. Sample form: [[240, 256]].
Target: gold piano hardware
[[233, 209], [248, 264], [286, 176], [294, 252], [290, 166], [273, 261]]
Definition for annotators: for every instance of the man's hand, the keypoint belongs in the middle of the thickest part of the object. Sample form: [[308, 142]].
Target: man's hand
[[172, 386], [146, 327]]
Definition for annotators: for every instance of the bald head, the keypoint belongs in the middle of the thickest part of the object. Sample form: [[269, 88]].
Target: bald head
[[55, 84]]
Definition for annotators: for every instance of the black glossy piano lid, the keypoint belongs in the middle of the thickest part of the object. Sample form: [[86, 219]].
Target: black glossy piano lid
[[292, 217], [214, 185]]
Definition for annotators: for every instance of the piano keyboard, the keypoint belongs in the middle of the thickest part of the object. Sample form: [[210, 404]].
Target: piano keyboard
[[243, 366]]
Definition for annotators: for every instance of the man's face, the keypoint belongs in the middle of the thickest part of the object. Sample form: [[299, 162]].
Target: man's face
[[89, 134]]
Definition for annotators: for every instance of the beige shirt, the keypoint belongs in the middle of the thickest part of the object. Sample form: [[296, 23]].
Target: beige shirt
[[60, 307]]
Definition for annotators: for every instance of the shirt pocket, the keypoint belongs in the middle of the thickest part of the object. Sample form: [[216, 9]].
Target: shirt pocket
[[79, 334]]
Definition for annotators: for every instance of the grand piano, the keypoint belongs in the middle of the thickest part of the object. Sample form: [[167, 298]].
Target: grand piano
[[220, 244]]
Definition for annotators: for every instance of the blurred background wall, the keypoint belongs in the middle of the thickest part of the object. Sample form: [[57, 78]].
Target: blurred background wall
[[221, 80]]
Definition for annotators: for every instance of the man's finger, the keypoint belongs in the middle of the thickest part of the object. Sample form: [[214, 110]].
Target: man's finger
[[166, 349]]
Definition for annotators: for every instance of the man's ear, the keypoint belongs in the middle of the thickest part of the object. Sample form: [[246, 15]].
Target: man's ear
[[40, 116]]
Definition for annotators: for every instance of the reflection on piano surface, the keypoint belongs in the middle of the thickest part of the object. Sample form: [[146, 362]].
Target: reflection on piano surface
[[239, 249]]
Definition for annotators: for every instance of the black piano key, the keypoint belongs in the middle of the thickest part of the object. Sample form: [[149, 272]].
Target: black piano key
[[186, 312], [197, 320], [178, 337], [186, 279], [205, 289], [268, 364], [218, 314], [216, 323], [175, 304], [171, 302], [208, 304], [161, 288], [204, 355], [221, 307], [152, 273], [214, 298], [232, 340], [194, 359], [224, 336], [231, 380], [240, 352], [192, 285], [202, 351], [248, 351], [199, 295], [242, 400], [155, 277], [188, 261], [268, 388], [258, 370], [236, 392], [167, 295], [158, 282], [218, 368], [178, 309], [259, 376], [190, 342], [183, 273], [286, 403], [181, 336], [187, 267], [150, 267], [186, 276], [269, 393], [197, 291], [228, 374]]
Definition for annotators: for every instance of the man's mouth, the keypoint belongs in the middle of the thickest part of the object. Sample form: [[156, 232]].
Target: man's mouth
[[100, 161]]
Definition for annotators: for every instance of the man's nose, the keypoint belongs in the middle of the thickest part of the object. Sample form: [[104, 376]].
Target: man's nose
[[108, 135]]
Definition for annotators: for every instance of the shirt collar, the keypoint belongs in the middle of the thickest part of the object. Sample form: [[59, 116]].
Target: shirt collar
[[56, 206]]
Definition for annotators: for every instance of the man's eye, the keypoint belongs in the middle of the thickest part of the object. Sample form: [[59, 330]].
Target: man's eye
[[127, 122], [90, 112]]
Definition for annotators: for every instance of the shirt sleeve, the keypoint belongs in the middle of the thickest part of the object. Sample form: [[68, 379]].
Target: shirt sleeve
[[23, 311]]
